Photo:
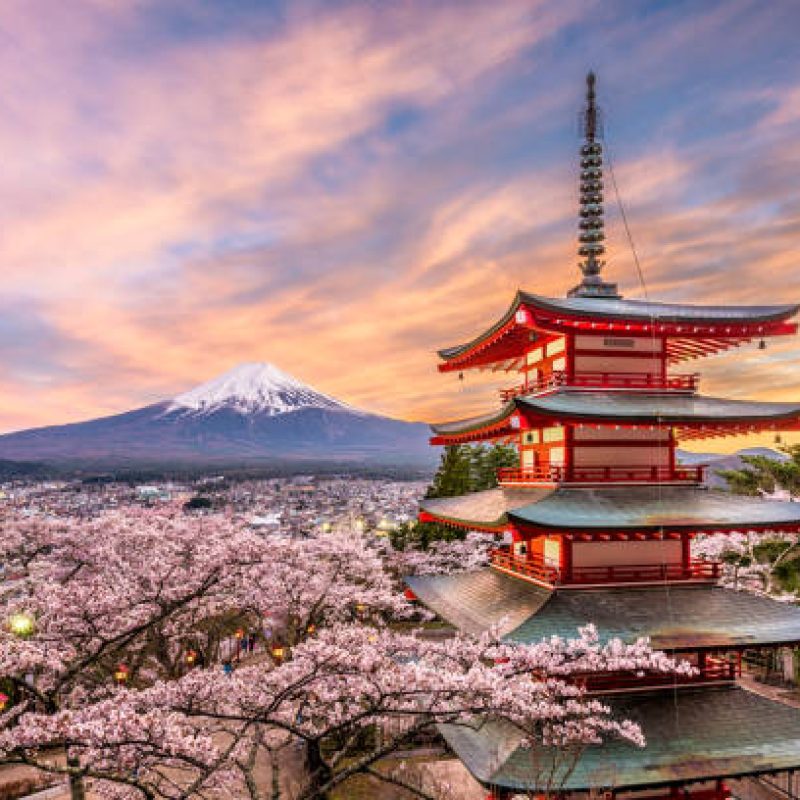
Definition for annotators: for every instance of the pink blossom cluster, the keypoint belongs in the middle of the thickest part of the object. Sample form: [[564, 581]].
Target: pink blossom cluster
[[141, 589]]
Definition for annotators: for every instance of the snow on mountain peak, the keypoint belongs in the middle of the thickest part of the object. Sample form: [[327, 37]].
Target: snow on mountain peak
[[253, 388]]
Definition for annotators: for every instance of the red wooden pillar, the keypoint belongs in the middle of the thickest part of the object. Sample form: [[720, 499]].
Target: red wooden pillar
[[686, 553], [569, 344], [671, 446], [565, 559], [569, 455]]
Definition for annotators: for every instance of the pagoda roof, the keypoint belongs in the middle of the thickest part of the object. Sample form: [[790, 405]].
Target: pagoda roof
[[622, 407], [674, 618], [692, 735], [486, 510], [609, 508], [735, 323], [601, 509]]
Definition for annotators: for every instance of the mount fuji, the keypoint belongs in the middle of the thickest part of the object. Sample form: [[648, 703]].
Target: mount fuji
[[253, 415]]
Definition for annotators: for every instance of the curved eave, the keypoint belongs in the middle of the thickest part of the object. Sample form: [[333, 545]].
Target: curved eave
[[622, 310], [485, 426], [691, 736], [485, 511], [698, 330], [606, 512], [705, 617], [653, 409], [695, 416]]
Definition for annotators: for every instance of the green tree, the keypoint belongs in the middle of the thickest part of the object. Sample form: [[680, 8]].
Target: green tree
[[454, 476], [763, 474]]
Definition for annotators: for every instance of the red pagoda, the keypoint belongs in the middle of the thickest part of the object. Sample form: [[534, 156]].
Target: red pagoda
[[598, 518]]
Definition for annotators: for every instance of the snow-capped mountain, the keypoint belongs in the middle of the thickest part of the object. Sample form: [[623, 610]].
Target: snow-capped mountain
[[255, 414], [253, 389]]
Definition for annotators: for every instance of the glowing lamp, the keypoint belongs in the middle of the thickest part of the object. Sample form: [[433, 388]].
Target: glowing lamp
[[278, 652], [310, 628], [121, 673], [21, 624], [239, 633], [191, 657], [3, 701]]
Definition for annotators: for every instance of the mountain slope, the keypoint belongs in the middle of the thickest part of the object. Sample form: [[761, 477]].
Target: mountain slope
[[252, 414]]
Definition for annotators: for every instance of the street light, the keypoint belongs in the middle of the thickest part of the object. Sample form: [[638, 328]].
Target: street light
[[239, 636], [21, 624]]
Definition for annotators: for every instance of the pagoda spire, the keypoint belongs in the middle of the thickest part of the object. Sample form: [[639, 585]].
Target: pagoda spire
[[591, 224]]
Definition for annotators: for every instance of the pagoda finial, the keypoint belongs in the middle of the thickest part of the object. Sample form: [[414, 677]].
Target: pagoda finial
[[591, 223]]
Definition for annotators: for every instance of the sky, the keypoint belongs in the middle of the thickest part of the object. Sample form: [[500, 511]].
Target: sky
[[343, 188]]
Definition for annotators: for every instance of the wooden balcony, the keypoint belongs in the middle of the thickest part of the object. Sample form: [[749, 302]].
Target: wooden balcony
[[685, 382], [533, 568], [518, 476]]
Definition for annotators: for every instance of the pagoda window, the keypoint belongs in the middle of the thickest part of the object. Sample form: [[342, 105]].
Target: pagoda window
[[534, 356], [557, 456], [553, 434], [551, 551], [531, 437], [555, 347]]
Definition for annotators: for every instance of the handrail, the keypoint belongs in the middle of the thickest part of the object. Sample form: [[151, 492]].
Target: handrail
[[602, 474], [634, 573], [533, 566], [605, 380], [528, 567], [715, 670]]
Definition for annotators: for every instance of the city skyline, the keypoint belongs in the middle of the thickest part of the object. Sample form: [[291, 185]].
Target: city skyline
[[191, 185]]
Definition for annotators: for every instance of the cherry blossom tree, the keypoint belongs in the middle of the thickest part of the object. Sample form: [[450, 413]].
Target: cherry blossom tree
[[197, 732], [142, 590], [129, 597], [751, 562], [443, 557]]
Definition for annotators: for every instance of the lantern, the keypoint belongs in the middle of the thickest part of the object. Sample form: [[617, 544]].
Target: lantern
[[239, 633], [3, 701], [310, 628], [21, 624], [191, 657], [121, 673], [278, 651]]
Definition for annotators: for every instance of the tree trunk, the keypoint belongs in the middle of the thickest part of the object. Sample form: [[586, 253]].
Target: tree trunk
[[77, 788], [318, 771]]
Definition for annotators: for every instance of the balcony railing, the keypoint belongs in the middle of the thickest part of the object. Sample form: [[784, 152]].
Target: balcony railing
[[638, 573], [615, 474], [534, 568], [714, 671], [684, 382]]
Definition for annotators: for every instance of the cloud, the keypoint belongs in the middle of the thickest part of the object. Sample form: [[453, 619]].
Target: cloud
[[342, 189]]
